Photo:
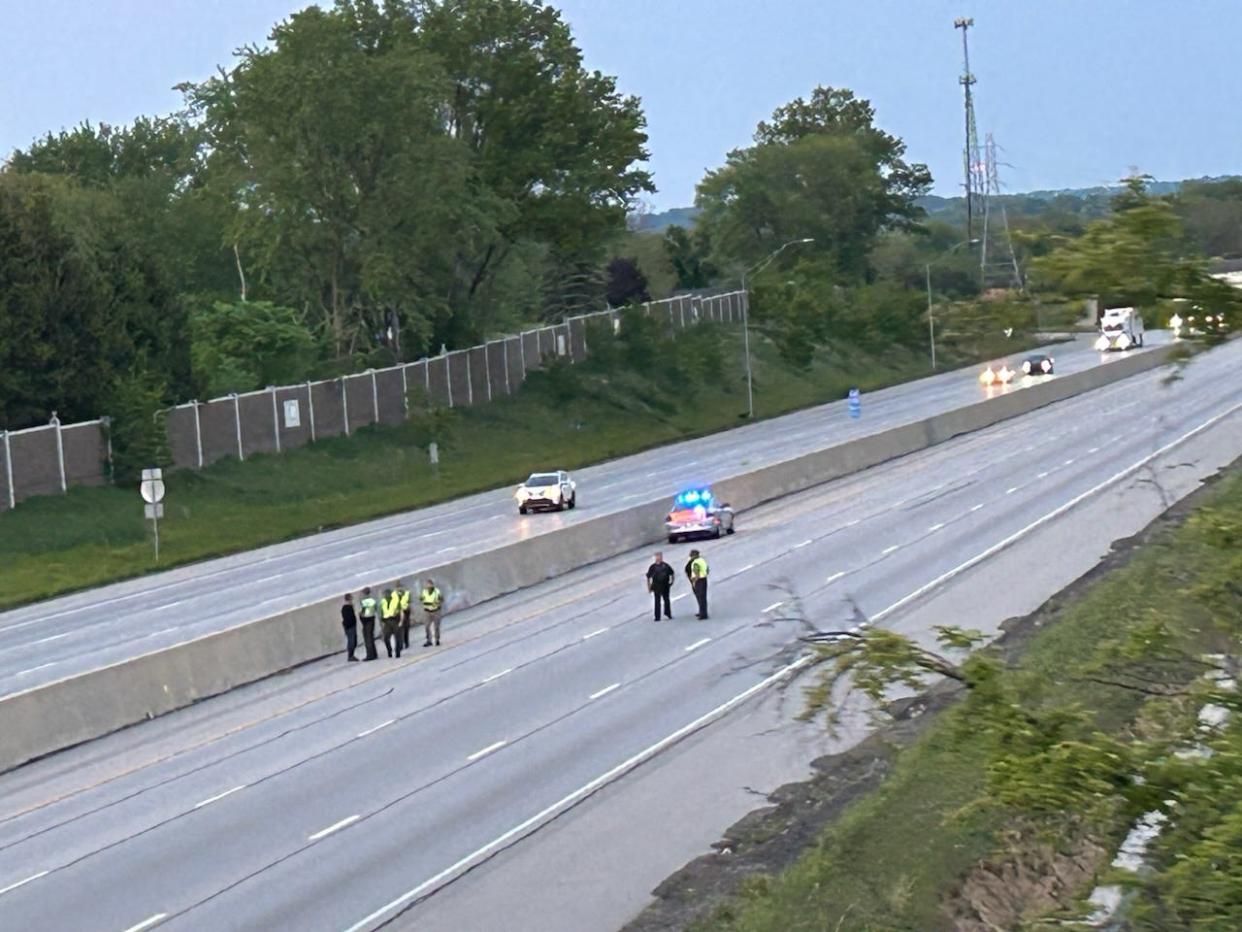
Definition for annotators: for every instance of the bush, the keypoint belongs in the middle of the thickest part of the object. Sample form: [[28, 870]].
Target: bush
[[137, 430]]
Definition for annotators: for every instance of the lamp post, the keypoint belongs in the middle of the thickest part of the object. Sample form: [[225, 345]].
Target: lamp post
[[931, 321], [755, 270]]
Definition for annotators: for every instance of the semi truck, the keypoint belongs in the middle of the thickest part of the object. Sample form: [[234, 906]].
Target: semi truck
[[1121, 328]]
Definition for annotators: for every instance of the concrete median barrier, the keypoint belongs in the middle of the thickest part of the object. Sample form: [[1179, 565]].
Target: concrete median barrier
[[66, 712]]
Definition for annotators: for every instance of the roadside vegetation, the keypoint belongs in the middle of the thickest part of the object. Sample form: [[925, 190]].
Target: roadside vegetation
[[1010, 806]]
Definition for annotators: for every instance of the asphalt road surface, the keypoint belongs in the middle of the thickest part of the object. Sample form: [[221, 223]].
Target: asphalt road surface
[[50, 640], [344, 795]]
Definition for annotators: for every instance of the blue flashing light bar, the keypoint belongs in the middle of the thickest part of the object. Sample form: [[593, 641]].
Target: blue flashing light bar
[[694, 497]]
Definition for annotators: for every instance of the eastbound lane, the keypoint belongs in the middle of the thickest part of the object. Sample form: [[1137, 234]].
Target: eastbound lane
[[61, 637], [387, 785]]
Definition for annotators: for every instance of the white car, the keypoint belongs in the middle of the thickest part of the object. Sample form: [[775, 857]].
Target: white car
[[554, 491]]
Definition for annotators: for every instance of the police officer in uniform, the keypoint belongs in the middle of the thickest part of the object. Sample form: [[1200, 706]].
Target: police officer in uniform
[[390, 616], [367, 614], [432, 601], [697, 571], [660, 578], [349, 621]]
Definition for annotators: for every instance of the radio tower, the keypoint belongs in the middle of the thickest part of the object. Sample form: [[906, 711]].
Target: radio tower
[[975, 180]]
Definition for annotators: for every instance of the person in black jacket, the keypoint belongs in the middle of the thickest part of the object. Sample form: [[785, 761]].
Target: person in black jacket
[[349, 621], [660, 577]]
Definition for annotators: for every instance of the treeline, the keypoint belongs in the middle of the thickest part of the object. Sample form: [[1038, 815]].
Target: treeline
[[375, 181]]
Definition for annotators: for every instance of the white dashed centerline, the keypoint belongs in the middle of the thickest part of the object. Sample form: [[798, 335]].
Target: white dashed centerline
[[336, 827], [1042, 475], [148, 922], [976, 507], [774, 605], [487, 750], [1069, 462], [1012, 489], [496, 676], [219, 796], [805, 543], [1094, 450], [835, 576], [374, 728], [587, 637], [42, 666], [887, 550], [697, 644], [748, 566], [936, 527], [605, 691], [22, 883], [54, 637]]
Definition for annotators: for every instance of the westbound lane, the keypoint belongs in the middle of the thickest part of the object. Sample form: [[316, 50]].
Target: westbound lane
[[382, 787], [74, 634]]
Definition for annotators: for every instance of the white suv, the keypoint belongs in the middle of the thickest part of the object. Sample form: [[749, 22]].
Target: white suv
[[552, 490]]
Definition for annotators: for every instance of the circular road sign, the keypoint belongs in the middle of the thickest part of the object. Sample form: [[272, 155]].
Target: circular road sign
[[152, 490]]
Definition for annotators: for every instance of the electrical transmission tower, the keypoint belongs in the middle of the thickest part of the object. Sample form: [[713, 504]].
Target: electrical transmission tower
[[975, 180], [1005, 268]]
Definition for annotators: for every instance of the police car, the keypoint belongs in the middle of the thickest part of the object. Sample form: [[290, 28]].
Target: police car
[[1001, 375], [554, 491], [1039, 364], [696, 513]]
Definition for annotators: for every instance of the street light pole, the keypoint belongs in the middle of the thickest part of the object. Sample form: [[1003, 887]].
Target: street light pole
[[755, 270], [931, 321]]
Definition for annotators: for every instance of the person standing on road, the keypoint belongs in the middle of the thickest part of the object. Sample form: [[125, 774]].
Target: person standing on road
[[349, 621], [367, 606], [698, 579], [390, 618], [405, 614], [432, 601], [660, 578]]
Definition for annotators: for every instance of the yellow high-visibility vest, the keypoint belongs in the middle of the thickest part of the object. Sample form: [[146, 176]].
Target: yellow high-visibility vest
[[698, 569], [431, 599], [391, 605]]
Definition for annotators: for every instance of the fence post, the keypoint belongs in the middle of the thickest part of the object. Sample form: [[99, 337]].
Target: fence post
[[8, 469], [487, 370], [345, 404], [681, 308], [448, 375], [470, 381], [275, 417], [374, 397], [60, 452], [241, 452], [310, 408], [405, 390], [198, 433], [504, 349]]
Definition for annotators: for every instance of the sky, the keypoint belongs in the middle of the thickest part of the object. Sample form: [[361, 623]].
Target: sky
[[1076, 92]]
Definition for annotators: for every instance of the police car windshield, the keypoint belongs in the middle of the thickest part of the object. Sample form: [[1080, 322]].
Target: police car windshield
[[542, 478]]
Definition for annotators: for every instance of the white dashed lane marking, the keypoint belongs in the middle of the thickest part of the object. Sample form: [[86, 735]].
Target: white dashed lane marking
[[335, 827], [487, 750], [604, 692]]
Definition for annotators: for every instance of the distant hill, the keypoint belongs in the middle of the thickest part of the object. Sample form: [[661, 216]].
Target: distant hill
[[1093, 200]]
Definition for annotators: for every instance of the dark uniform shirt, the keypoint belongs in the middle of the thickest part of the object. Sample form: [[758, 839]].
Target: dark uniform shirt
[[348, 618], [661, 576]]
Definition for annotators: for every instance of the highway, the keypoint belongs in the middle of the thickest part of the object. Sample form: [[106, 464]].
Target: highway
[[47, 641], [342, 795]]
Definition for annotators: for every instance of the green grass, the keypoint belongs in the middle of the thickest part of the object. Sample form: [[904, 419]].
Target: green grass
[[56, 544], [893, 856]]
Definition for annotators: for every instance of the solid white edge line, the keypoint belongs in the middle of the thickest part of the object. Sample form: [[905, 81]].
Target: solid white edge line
[[487, 750], [148, 922], [697, 644], [496, 676], [336, 827], [835, 576], [22, 883], [218, 797], [374, 728], [1052, 515], [578, 795], [772, 606], [605, 691], [587, 637]]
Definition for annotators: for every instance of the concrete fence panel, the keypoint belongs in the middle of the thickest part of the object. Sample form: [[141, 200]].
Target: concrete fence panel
[[417, 377], [391, 384], [497, 368], [480, 375], [515, 361], [86, 453], [219, 428], [531, 357], [577, 327], [440, 384], [293, 413], [328, 399], [182, 436], [459, 378], [258, 422], [8, 494], [36, 465], [359, 401]]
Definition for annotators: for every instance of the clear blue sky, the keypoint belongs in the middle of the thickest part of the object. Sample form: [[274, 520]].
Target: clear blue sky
[[1075, 91]]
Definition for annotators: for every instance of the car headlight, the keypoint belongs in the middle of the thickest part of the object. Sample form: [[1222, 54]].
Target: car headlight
[[987, 375], [1026, 367], [1046, 365], [1123, 341], [1101, 343]]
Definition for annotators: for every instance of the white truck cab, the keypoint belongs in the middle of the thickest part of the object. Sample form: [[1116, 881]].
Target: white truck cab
[[1121, 328]]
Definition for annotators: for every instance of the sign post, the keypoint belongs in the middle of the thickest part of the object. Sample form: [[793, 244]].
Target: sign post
[[855, 404], [152, 489]]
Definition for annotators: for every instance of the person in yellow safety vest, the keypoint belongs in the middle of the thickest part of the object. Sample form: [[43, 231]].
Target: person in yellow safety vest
[[432, 601], [366, 612], [404, 596], [390, 614], [698, 579]]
